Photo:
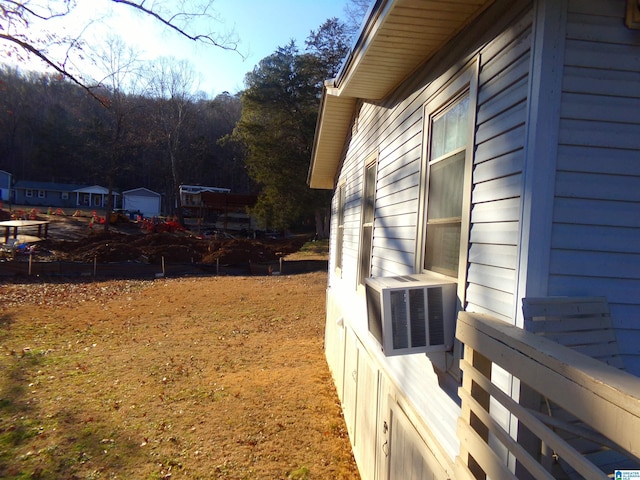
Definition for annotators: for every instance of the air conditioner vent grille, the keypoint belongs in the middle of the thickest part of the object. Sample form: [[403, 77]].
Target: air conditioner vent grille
[[417, 318], [399, 319], [436, 316]]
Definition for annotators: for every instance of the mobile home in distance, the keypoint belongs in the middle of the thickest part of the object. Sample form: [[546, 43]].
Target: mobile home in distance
[[191, 195], [483, 301]]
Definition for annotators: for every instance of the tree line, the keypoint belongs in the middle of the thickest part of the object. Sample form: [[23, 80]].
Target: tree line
[[142, 126], [52, 130]]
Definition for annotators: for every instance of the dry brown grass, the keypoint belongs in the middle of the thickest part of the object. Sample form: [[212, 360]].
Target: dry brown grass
[[219, 377]]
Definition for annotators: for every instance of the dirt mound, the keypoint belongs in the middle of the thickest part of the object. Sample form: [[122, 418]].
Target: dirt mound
[[111, 246], [238, 251]]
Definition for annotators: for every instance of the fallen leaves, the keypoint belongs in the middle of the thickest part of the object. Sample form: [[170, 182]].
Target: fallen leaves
[[192, 377], [68, 294]]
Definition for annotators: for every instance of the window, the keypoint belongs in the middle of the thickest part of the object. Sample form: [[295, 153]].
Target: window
[[446, 167], [42, 194], [368, 213], [64, 195], [446, 195], [340, 232], [28, 193]]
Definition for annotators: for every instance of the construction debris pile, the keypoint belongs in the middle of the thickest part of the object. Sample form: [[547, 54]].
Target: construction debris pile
[[113, 246], [79, 239]]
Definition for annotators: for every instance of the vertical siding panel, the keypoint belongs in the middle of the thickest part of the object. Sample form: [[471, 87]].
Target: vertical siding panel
[[596, 231]]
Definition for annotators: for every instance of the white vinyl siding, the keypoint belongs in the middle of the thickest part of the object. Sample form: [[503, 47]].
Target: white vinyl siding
[[594, 236], [398, 191], [409, 458], [497, 177]]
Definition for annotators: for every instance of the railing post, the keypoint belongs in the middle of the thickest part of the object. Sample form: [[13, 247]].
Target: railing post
[[483, 365]]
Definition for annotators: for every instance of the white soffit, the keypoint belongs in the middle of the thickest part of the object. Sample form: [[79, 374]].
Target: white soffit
[[401, 37], [333, 124]]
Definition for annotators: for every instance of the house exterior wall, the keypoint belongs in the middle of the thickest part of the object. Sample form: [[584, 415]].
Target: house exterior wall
[[594, 244], [48, 198], [58, 195], [402, 402]]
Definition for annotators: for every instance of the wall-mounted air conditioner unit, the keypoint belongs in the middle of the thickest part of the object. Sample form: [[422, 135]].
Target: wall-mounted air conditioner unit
[[411, 313]]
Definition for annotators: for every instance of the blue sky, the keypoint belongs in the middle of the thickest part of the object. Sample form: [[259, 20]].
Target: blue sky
[[263, 26], [260, 25]]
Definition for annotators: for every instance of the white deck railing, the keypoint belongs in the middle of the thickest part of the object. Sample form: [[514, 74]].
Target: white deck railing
[[602, 397]]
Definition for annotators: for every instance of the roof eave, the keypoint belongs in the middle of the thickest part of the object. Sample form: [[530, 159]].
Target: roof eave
[[359, 76]]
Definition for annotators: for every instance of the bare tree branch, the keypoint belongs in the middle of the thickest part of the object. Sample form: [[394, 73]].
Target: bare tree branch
[[216, 40], [18, 6], [16, 17], [38, 53]]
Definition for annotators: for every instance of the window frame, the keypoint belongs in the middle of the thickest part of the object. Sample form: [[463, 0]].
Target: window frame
[[367, 225], [436, 163], [341, 202], [28, 193]]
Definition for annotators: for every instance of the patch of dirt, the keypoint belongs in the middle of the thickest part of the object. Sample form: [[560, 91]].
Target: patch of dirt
[[216, 377]]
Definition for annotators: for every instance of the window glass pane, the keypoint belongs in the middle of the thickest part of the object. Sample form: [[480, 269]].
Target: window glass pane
[[340, 232], [368, 215], [445, 188], [449, 130], [438, 138], [369, 193], [456, 120], [365, 253], [341, 205], [443, 248]]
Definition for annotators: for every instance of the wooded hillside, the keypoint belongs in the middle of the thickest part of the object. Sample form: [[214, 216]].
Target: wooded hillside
[[52, 130]]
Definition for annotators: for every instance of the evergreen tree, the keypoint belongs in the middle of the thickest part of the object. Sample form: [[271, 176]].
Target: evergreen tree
[[277, 127]]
